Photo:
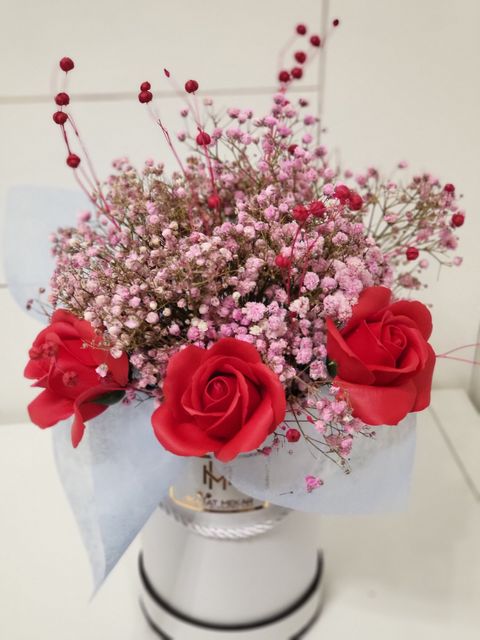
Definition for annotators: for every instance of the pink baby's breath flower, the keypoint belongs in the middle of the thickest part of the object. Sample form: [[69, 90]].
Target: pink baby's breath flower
[[102, 370], [312, 483]]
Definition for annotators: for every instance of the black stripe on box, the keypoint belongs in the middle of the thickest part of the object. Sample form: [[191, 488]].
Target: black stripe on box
[[163, 604]]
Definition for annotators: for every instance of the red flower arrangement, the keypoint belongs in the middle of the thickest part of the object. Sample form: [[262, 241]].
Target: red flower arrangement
[[77, 376], [229, 291]]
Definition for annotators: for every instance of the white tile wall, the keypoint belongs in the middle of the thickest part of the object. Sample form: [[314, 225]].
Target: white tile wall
[[402, 82]]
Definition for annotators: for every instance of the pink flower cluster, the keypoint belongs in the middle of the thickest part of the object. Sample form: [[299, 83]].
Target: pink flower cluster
[[257, 236]]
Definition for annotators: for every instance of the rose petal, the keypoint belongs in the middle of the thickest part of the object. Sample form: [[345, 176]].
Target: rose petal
[[252, 435], [219, 392], [229, 423], [417, 343], [367, 346], [181, 367], [348, 364], [36, 369], [48, 408], [232, 347], [393, 339], [182, 439], [371, 301], [423, 382], [85, 409], [377, 405], [417, 312], [274, 391], [406, 368]]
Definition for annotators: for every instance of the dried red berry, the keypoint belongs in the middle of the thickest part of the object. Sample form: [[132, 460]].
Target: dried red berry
[[449, 187], [317, 209], [315, 41], [73, 160], [282, 262], [213, 201], [62, 99], [297, 73], [203, 139], [145, 96], [336, 22], [342, 192], [301, 29], [412, 253], [355, 201], [457, 219], [66, 64], [300, 56], [191, 86], [60, 117], [145, 86], [284, 76], [293, 435], [300, 213]]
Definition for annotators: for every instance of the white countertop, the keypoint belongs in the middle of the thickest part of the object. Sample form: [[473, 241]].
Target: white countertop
[[414, 574]]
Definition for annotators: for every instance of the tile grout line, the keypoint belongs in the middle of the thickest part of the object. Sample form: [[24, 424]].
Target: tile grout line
[[456, 457], [120, 96]]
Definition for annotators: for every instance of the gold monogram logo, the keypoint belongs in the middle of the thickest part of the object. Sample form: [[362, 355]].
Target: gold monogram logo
[[216, 495], [209, 477]]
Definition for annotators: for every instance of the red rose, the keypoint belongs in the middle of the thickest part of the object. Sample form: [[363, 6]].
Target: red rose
[[384, 362], [63, 361], [223, 400]]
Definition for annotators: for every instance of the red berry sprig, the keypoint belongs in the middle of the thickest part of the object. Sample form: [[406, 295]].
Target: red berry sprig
[[282, 262], [62, 99], [60, 117], [347, 197], [292, 435], [73, 160], [457, 220], [412, 253], [203, 139], [145, 96], [300, 56], [191, 86], [66, 64]]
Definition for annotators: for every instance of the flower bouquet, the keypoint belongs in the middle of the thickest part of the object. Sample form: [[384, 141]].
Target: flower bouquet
[[247, 312]]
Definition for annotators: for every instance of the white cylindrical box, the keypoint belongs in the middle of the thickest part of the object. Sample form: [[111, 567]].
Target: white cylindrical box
[[217, 564]]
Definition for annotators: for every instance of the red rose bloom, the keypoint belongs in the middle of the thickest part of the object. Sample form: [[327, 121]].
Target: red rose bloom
[[223, 400], [383, 360], [63, 361]]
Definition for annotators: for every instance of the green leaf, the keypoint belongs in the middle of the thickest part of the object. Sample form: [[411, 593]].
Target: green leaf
[[332, 368], [112, 397]]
